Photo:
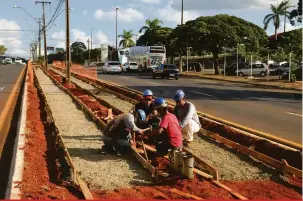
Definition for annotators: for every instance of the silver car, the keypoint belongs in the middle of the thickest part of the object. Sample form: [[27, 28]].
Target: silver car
[[112, 67], [260, 69]]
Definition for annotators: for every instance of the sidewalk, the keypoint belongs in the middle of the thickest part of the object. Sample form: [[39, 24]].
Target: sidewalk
[[277, 84]]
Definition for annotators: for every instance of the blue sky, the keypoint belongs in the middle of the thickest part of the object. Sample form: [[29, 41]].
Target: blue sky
[[100, 15]]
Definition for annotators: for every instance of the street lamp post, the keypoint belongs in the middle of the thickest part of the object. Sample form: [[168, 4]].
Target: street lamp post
[[188, 52], [182, 8], [91, 38], [238, 57], [88, 52], [117, 26]]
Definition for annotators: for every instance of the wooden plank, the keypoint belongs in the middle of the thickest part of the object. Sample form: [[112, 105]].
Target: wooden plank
[[188, 195], [214, 172], [203, 174], [85, 190], [145, 164], [237, 195], [266, 159]]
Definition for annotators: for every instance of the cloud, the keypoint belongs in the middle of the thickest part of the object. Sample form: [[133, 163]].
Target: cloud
[[84, 12], [124, 15], [59, 35], [12, 40], [170, 14], [149, 1], [224, 4]]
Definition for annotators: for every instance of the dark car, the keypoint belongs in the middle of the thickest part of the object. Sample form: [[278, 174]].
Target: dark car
[[193, 66], [166, 71], [231, 69], [298, 73]]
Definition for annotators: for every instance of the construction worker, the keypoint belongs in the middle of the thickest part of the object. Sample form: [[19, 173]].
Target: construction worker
[[117, 133], [187, 116], [147, 106], [168, 135]]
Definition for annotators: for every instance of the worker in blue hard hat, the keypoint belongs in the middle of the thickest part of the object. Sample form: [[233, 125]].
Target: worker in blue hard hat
[[187, 115], [168, 134], [147, 106], [117, 133]]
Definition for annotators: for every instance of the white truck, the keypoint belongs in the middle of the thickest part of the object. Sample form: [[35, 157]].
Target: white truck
[[147, 57]]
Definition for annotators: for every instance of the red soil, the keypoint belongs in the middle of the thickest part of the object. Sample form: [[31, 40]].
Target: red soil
[[40, 176], [263, 190]]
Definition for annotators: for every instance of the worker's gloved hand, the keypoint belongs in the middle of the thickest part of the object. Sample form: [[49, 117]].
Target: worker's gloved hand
[[140, 132]]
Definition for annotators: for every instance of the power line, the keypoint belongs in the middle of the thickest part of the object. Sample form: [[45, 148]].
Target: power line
[[56, 13], [7, 30]]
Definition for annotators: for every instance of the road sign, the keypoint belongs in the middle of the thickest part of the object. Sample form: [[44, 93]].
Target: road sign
[[104, 52], [59, 50], [50, 49]]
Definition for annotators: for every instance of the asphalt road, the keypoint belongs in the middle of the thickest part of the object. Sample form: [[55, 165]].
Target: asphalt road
[[8, 77], [273, 111]]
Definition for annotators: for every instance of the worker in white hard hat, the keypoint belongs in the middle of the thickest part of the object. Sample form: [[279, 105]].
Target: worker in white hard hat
[[187, 115]]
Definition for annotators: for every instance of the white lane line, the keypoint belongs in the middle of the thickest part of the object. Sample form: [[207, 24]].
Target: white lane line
[[202, 94], [294, 114], [1, 88], [152, 83]]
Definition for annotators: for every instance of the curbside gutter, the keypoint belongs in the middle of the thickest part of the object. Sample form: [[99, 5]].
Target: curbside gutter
[[242, 82], [16, 170]]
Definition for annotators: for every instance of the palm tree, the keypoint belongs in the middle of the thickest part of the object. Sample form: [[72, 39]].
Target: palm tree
[[151, 25], [277, 11], [127, 39]]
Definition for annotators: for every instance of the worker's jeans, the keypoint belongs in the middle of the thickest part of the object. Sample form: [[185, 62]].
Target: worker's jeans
[[121, 145], [190, 129]]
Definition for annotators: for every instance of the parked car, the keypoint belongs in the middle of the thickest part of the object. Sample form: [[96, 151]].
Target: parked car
[[231, 70], [298, 73], [8, 61], [166, 71], [100, 66], [112, 67], [282, 68], [193, 66], [18, 61], [257, 69], [132, 66]]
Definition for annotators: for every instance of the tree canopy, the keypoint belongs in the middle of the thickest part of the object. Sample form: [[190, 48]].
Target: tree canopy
[[158, 36], [2, 49], [78, 47], [217, 33], [296, 14], [277, 11], [127, 39], [151, 24]]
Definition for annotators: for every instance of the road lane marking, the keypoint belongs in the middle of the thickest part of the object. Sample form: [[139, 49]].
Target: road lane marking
[[152, 83], [293, 114], [1, 88], [202, 94]]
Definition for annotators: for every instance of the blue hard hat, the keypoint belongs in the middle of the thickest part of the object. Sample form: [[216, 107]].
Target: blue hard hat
[[142, 114], [159, 102], [179, 95], [147, 92]]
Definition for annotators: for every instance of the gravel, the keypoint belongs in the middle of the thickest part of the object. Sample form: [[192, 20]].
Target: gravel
[[124, 106], [83, 141], [231, 165]]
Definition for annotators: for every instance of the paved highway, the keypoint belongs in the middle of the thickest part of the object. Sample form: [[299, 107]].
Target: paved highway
[[8, 77], [273, 111]]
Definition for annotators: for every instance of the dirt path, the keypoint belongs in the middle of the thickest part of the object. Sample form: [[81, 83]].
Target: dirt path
[[83, 140]]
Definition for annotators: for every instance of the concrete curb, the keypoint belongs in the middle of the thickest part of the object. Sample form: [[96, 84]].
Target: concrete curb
[[16, 170], [243, 82]]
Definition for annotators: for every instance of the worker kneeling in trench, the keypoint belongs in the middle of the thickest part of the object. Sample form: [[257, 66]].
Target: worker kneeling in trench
[[117, 133], [168, 135]]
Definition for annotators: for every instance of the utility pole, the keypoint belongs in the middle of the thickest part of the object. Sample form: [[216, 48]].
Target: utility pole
[[117, 26], [68, 63], [44, 30], [39, 38], [91, 38], [182, 12], [88, 51]]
